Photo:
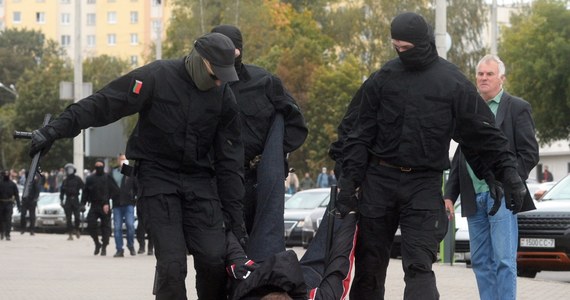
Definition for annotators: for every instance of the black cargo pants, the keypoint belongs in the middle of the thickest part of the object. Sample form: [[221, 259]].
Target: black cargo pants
[[190, 221], [413, 200]]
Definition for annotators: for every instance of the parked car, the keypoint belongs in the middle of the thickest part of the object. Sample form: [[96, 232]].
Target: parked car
[[49, 214], [297, 208], [544, 233]]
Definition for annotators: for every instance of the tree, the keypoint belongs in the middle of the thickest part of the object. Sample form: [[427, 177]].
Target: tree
[[328, 100], [19, 50], [536, 52], [39, 95]]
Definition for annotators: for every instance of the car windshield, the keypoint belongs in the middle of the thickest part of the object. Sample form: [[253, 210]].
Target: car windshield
[[561, 191], [48, 198], [307, 200]]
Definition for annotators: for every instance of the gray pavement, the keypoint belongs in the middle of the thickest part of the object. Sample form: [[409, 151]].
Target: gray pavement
[[47, 266]]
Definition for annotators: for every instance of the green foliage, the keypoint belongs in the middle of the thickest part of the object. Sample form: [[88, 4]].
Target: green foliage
[[536, 52], [329, 97], [19, 50], [39, 95]]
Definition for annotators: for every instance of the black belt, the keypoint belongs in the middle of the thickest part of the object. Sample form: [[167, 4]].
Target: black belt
[[381, 162]]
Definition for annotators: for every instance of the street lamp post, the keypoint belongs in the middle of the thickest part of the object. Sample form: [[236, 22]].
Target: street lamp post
[[11, 89]]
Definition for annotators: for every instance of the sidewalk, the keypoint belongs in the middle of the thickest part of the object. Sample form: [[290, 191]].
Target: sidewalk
[[48, 267]]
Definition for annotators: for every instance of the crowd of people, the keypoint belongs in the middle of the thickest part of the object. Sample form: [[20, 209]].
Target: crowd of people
[[210, 159]]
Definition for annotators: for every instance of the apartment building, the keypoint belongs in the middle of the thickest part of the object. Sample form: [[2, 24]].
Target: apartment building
[[122, 28]]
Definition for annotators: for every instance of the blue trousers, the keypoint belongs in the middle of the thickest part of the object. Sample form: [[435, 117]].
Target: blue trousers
[[124, 214], [493, 242]]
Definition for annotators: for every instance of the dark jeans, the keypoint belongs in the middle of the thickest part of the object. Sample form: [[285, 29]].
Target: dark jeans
[[6, 210], [264, 204], [188, 222], [414, 201], [96, 213], [31, 208]]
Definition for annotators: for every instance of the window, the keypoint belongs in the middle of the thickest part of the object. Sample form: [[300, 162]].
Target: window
[[17, 17], [91, 18], [65, 19], [156, 2], [134, 60], [91, 41], [40, 17], [91, 1], [65, 40], [134, 17], [65, 1], [112, 17], [111, 39], [134, 39]]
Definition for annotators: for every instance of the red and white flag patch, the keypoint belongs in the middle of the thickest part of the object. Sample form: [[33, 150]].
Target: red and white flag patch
[[137, 87]]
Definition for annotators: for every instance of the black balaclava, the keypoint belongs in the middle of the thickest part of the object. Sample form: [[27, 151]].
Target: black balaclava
[[99, 170], [196, 68], [235, 35], [413, 28]]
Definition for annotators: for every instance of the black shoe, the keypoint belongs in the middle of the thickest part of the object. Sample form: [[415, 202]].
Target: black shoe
[[2, 237], [120, 253], [132, 251], [141, 250], [104, 250], [150, 252], [32, 233], [97, 249], [22, 232]]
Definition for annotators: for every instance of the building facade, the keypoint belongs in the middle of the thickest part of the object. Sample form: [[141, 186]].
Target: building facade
[[127, 29]]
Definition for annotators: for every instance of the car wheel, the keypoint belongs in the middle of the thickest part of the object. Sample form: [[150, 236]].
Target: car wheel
[[526, 273]]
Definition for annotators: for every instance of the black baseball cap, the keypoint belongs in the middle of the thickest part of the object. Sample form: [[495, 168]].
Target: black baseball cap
[[219, 50]]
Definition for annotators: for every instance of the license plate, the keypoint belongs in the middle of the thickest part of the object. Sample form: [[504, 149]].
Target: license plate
[[537, 243], [49, 222]]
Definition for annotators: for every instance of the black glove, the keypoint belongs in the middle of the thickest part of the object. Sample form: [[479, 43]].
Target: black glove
[[346, 200], [515, 190], [241, 268], [496, 192], [42, 139]]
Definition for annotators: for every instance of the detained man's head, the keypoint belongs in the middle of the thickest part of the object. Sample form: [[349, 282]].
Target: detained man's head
[[413, 40]]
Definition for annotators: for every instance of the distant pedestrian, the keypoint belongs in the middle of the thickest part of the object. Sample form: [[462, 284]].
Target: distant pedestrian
[[29, 205], [99, 188], [332, 178], [8, 195], [546, 175], [69, 197], [124, 208], [292, 182], [307, 182], [323, 179]]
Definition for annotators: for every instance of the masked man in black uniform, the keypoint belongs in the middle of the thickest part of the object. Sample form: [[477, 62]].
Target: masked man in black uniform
[[70, 189], [29, 205], [397, 150], [261, 96], [8, 194], [189, 158], [99, 189]]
